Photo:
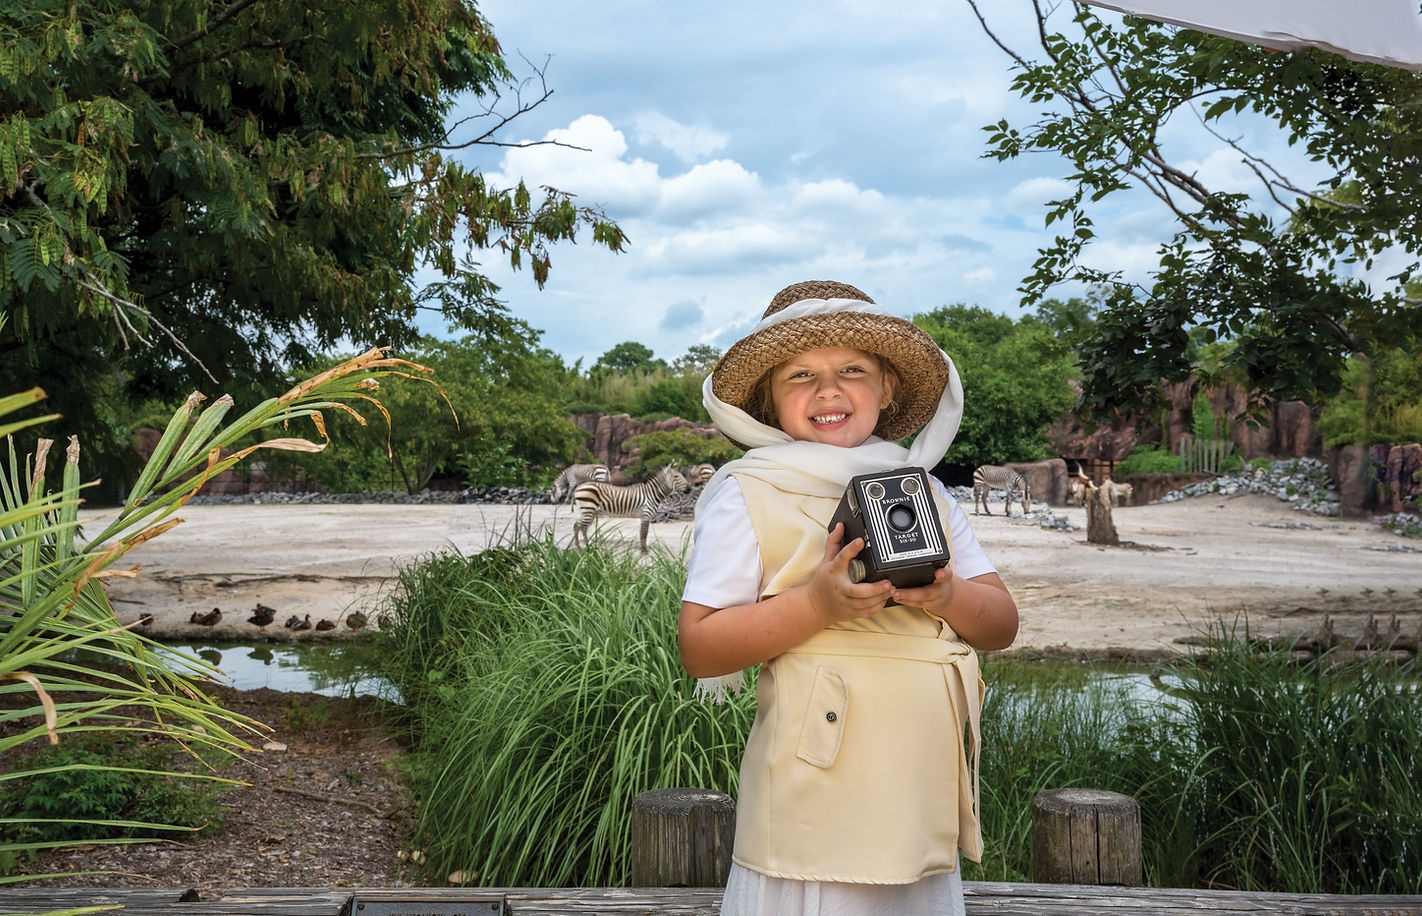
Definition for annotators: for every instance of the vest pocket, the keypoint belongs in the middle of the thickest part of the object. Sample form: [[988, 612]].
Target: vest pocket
[[823, 727]]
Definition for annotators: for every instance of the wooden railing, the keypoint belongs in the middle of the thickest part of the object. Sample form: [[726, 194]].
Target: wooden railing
[[1203, 455], [983, 898]]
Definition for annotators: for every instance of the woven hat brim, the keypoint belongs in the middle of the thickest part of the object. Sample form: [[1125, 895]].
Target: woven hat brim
[[917, 361]]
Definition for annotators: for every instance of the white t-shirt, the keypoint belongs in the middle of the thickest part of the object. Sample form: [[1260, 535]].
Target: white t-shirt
[[725, 570]]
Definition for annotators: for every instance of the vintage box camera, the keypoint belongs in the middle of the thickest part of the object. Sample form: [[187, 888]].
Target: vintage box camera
[[894, 512]]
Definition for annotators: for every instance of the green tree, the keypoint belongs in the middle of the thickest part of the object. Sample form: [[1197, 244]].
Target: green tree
[[1280, 290], [495, 414], [1016, 381], [190, 192], [1381, 400], [698, 360], [629, 356]]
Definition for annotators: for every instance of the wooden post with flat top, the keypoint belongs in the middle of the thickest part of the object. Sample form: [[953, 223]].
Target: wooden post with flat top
[[1086, 836], [682, 838]]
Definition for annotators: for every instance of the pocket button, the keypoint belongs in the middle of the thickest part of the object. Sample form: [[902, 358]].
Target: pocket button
[[831, 716]]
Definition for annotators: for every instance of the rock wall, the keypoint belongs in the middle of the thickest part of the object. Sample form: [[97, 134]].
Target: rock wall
[[1046, 479], [1378, 478], [1291, 430]]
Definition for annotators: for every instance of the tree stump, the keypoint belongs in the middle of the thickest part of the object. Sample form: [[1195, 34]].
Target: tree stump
[[682, 838], [1086, 836], [1100, 529]]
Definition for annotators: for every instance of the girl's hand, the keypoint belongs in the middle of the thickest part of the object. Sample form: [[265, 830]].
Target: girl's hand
[[935, 597], [830, 590], [980, 610]]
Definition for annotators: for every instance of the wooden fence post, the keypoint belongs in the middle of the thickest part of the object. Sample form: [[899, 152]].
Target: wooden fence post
[[1086, 836], [682, 838]]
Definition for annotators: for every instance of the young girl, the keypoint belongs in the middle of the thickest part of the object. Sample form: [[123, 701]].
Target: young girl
[[855, 790]]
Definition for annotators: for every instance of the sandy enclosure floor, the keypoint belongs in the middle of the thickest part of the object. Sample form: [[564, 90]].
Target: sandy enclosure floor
[[1191, 562]]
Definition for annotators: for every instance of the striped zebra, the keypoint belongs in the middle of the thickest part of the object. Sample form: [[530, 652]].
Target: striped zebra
[[991, 477], [573, 475], [638, 499]]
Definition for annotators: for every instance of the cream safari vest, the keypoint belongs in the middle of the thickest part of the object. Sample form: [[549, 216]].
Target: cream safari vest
[[856, 768]]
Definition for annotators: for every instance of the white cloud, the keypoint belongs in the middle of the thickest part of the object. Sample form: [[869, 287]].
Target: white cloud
[[727, 247], [595, 171], [690, 143], [1031, 195], [720, 185], [1134, 260], [835, 196]]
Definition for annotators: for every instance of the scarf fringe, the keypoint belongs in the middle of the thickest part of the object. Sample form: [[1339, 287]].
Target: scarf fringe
[[717, 690]]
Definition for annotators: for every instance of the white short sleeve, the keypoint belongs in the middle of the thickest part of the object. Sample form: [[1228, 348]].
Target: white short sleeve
[[969, 559], [725, 570]]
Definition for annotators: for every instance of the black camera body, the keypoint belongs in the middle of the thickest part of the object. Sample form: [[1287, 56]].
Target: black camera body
[[894, 512]]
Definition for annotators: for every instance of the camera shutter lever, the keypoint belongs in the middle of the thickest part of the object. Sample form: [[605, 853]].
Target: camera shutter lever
[[857, 570]]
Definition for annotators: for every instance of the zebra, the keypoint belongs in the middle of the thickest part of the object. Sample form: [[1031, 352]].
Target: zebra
[[573, 475], [638, 499], [991, 477]]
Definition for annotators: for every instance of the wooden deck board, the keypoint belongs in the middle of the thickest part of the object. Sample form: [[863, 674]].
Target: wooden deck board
[[982, 898]]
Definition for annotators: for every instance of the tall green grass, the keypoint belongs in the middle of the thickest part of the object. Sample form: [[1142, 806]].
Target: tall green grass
[[1303, 776], [545, 692]]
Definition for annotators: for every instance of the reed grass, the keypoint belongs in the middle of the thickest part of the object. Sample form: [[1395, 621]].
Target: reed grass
[[545, 692], [1303, 775]]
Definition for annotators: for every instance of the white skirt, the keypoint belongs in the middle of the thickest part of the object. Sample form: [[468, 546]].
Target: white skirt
[[750, 893]]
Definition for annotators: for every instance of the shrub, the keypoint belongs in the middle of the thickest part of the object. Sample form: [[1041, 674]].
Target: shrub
[[96, 776], [677, 446], [1146, 459]]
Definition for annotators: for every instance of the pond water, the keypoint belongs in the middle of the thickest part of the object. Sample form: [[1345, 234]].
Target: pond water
[[327, 669], [341, 669]]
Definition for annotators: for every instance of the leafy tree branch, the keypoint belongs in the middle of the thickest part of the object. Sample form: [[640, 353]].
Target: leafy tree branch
[[1285, 292]]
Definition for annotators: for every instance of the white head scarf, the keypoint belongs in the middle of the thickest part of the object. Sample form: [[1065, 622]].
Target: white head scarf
[[815, 468]]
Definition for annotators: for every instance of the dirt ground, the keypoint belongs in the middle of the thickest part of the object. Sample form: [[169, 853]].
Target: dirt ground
[[1184, 565], [324, 803]]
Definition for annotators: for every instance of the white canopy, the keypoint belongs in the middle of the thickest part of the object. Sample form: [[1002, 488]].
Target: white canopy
[[1379, 31]]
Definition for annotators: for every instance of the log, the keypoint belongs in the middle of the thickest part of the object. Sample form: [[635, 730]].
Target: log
[[1100, 529], [1086, 836], [682, 838]]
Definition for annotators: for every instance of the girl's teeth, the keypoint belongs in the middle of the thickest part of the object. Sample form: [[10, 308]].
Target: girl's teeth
[[833, 418]]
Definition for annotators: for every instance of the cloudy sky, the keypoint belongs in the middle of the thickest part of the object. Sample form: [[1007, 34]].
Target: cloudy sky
[[744, 146]]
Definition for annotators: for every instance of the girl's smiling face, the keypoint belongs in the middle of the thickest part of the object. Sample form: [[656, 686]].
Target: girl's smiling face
[[831, 395]]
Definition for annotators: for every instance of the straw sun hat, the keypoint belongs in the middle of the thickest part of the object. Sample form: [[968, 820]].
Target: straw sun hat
[[916, 359]]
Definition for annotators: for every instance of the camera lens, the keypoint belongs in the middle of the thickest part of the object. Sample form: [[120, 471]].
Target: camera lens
[[901, 518]]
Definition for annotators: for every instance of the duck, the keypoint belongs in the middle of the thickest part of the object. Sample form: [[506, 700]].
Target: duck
[[356, 621], [263, 616], [304, 624], [324, 624], [211, 618]]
